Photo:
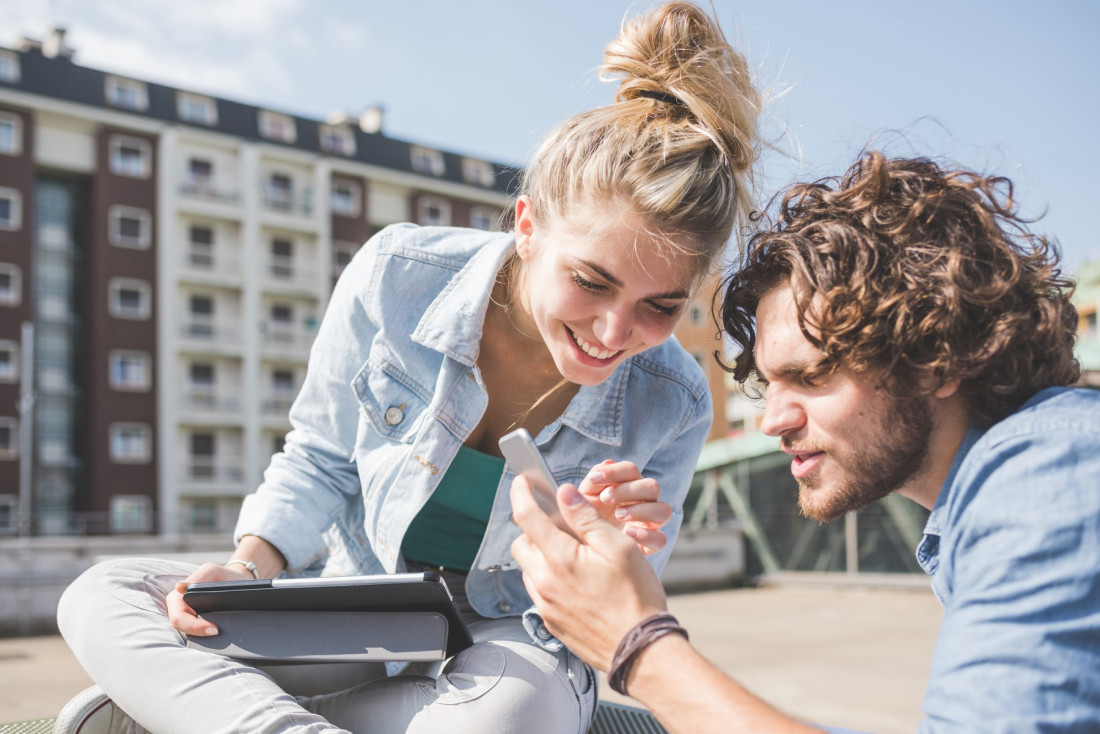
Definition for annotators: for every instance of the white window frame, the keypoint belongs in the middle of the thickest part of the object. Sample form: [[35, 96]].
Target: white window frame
[[355, 195], [10, 373], [342, 247], [143, 359], [116, 285], [15, 296], [139, 505], [115, 433], [338, 139], [277, 126], [427, 160], [478, 172], [9, 503], [10, 451], [118, 167], [14, 222], [444, 207], [488, 213], [9, 66], [116, 86], [114, 218], [197, 108], [16, 123]]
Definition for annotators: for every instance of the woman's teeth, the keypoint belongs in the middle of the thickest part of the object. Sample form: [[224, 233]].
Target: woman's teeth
[[591, 351]]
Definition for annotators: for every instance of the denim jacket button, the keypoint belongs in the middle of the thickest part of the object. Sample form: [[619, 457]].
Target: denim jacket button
[[394, 415], [542, 632], [493, 569], [504, 606]]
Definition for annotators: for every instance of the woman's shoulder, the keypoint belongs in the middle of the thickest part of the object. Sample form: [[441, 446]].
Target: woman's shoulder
[[449, 247], [671, 362]]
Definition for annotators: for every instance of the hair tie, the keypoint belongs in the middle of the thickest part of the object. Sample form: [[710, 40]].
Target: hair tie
[[662, 97]]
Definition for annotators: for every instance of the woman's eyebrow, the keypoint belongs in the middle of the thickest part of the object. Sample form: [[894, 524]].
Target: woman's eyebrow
[[670, 296]]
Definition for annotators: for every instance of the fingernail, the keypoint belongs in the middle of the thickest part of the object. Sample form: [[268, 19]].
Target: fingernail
[[621, 513], [596, 476], [606, 496], [211, 630], [633, 531], [572, 495]]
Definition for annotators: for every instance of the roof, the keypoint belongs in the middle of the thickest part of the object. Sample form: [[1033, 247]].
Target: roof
[[58, 77]]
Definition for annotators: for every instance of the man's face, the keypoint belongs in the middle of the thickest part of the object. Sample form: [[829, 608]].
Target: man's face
[[850, 442]]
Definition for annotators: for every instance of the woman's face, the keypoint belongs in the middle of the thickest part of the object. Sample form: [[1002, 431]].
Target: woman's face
[[598, 287]]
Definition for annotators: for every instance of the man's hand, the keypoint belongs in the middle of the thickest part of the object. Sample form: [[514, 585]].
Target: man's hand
[[589, 592]]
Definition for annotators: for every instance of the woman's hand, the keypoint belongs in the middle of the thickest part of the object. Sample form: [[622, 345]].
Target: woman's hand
[[629, 501], [183, 617]]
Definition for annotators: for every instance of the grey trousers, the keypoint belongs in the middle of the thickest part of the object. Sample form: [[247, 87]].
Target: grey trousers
[[114, 619]]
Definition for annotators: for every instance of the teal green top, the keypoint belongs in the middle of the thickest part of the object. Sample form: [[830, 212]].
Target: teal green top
[[448, 529]]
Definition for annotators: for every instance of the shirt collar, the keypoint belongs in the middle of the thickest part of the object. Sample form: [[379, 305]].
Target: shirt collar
[[453, 322], [928, 550]]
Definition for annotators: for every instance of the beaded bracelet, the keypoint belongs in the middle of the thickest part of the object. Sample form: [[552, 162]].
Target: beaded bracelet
[[642, 635]]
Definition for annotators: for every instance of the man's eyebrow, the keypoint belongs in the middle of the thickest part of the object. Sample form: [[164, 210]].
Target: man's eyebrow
[[671, 295], [786, 369]]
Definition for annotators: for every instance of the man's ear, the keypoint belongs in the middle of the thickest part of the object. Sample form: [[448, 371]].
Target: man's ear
[[525, 227], [946, 388]]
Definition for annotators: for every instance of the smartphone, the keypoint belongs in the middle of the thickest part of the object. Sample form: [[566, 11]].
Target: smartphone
[[523, 457]]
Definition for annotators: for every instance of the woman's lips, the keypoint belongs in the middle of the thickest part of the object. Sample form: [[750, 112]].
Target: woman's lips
[[603, 355]]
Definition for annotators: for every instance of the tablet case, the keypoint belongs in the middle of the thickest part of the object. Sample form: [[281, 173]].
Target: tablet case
[[354, 618], [315, 637]]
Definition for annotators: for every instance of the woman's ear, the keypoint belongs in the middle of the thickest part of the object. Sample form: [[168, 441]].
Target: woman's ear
[[525, 227]]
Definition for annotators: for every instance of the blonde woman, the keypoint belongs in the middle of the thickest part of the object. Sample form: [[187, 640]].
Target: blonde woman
[[437, 341]]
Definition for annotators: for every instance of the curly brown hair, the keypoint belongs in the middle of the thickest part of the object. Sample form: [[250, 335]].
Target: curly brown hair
[[902, 269]]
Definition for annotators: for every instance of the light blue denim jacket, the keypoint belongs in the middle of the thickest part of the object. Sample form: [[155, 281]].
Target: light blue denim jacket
[[393, 389], [1013, 547]]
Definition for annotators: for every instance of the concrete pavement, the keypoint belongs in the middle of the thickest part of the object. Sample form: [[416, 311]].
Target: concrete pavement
[[848, 657]]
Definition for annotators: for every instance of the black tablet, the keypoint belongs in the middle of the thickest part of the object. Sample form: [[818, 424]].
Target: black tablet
[[402, 592]]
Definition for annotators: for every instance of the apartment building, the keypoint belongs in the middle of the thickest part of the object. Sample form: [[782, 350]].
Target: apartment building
[[165, 259]]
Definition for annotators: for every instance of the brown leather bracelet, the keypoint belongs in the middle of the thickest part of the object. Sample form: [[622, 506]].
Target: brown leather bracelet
[[637, 639]]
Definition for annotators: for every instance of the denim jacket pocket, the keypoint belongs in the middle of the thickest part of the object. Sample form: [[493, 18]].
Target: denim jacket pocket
[[391, 400]]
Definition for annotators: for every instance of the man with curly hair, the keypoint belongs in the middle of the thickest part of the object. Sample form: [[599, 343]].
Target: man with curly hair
[[911, 335]]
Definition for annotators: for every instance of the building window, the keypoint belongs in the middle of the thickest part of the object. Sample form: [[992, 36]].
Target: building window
[[130, 298], [342, 253], [203, 453], [434, 211], [282, 323], [200, 174], [201, 309], [426, 160], [196, 108], [126, 94], [131, 513], [130, 156], [482, 217], [279, 193], [9, 437], [131, 443], [201, 252], [11, 285], [345, 197], [9, 67], [477, 172], [9, 361], [697, 314], [337, 139], [282, 258], [130, 227], [130, 370], [9, 516], [275, 126], [11, 209], [11, 134]]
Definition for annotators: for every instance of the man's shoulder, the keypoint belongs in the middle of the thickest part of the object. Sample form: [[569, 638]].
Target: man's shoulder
[[1052, 411]]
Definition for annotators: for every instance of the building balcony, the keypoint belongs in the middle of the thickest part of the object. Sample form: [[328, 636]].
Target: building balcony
[[207, 191], [210, 401], [206, 332], [211, 470], [287, 201]]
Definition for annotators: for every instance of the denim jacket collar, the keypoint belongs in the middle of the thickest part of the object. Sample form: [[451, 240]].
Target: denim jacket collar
[[928, 550], [453, 323]]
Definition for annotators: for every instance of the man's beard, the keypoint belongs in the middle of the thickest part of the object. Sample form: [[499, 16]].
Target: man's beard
[[892, 454]]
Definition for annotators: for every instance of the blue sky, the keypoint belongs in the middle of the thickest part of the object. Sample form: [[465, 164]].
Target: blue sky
[[1007, 87]]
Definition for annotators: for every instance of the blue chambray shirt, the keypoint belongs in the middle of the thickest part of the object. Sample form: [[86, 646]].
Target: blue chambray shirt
[[1013, 547], [393, 389]]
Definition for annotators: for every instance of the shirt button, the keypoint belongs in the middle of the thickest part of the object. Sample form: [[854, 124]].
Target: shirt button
[[542, 632], [504, 606], [394, 415]]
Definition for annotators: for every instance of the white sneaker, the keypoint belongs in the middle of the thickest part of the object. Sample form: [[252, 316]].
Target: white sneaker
[[92, 712]]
